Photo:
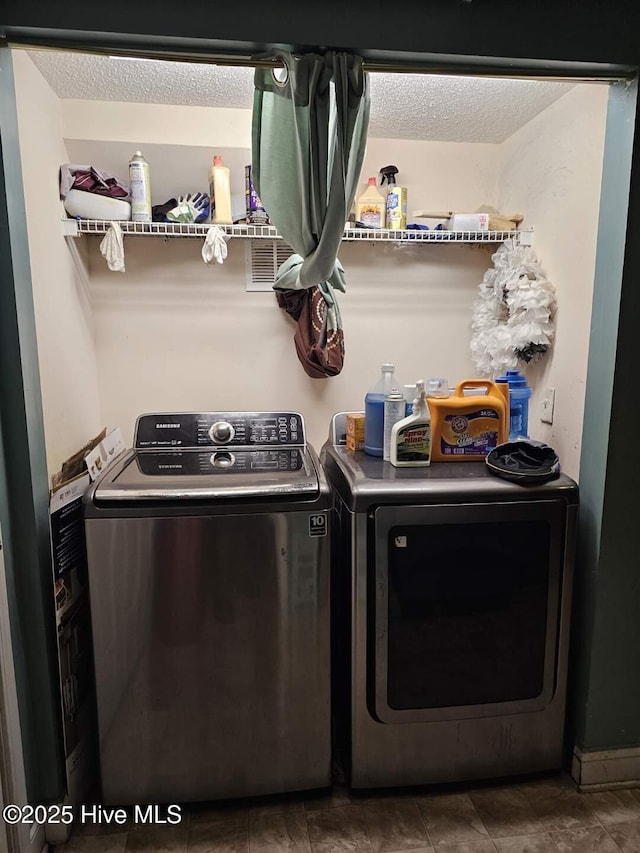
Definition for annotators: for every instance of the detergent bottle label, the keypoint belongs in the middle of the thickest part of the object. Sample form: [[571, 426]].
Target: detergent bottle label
[[372, 216], [414, 443], [470, 434]]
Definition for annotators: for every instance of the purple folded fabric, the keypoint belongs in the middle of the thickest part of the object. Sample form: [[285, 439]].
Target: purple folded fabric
[[88, 179]]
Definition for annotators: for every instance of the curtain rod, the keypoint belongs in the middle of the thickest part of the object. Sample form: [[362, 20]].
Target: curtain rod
[[608, 74]]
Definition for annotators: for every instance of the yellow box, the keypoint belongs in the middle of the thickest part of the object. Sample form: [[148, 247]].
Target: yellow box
[[355, 431]]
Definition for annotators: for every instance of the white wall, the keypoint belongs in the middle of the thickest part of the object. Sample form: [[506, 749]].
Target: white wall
[[425, 167], [457, 176], [172, 333], [156, 123], [66, 353], [551, 171]]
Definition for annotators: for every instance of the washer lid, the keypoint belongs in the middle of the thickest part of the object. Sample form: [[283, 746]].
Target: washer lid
[[166, 475]]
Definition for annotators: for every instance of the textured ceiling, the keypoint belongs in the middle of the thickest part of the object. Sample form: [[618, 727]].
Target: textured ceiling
[[403, 106]]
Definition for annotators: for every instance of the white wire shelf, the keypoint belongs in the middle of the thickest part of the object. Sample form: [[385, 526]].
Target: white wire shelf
[[434, 236], [78, 227]]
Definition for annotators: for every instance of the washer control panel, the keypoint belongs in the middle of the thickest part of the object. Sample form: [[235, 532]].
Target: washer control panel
[[177, 463], [220, 429]]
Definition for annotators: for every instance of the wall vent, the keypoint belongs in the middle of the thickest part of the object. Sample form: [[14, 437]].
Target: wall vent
[[262, 259]]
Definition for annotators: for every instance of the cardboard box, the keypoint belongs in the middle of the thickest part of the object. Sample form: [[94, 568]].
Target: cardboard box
[[355, 431]]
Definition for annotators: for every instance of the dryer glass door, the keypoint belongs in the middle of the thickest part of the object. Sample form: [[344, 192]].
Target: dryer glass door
[[466, 605]]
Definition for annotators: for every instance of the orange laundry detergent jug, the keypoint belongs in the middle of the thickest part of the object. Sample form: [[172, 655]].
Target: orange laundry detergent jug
[[466, 428]]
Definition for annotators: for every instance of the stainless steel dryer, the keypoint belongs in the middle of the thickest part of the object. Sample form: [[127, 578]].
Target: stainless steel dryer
[[451, 596], [208, 555]]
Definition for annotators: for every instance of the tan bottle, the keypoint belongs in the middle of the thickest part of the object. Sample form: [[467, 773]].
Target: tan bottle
[[371, 207], [396, 200], [220, 192]]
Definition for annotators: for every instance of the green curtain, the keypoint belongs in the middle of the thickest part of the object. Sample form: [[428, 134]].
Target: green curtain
[[309, 138]]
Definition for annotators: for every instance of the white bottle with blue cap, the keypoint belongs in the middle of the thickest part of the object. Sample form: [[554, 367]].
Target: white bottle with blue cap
[[374, 410]]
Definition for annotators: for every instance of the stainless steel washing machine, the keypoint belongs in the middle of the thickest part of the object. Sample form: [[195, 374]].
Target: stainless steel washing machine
[[451, 595], [208, 552]]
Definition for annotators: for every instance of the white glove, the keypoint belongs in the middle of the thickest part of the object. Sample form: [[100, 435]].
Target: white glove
[[112, 248], [215, 245]]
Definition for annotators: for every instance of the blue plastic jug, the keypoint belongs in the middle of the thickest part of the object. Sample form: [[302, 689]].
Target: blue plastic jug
[[519, 394], [374, 411]]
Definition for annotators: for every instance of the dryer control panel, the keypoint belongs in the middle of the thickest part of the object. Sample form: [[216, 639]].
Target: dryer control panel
[[219, 429]]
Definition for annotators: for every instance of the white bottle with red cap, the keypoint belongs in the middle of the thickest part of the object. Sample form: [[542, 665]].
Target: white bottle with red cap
[[220, 192]]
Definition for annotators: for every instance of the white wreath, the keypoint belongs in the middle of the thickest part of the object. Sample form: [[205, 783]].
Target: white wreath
[[513, 315]]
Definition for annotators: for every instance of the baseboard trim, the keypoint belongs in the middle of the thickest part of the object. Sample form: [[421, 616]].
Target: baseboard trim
[[58, 833], [606, 769]]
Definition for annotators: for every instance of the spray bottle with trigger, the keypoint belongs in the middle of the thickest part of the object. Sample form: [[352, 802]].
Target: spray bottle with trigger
[[396, 199]]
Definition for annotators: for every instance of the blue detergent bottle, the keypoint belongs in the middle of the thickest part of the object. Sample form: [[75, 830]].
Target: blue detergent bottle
[[519, 395], [374, 410]]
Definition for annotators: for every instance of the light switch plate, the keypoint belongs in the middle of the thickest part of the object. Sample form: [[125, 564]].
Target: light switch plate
[[548, 402]]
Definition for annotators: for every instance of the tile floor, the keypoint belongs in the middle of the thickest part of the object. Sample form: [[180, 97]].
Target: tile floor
[[540, 816]]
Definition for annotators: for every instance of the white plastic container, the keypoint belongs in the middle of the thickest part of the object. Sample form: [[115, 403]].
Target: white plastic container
[[92, 206], [220, 192], [409, 397], [140, 188], [394, 411], [437, 387], [468, 222], [411, 437]]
